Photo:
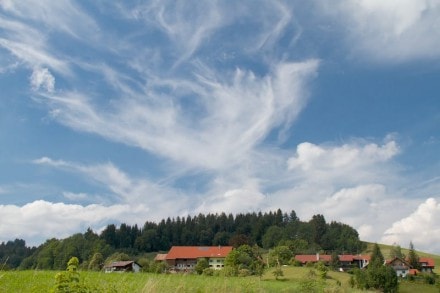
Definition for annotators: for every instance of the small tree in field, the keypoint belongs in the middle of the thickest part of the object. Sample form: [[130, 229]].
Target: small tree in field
[[278, 272], [96, 262], [202, 264], [68, 281]]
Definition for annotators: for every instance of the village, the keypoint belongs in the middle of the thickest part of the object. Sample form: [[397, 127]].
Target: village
[[183, 259]]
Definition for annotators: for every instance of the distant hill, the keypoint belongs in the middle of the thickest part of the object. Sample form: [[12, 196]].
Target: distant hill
[[386, 251]]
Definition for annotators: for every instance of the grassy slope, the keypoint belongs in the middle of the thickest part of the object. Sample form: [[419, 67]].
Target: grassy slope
[[387, 248]]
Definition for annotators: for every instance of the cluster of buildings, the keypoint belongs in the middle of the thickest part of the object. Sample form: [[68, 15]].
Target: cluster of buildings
[[347, 261], [184, 259]]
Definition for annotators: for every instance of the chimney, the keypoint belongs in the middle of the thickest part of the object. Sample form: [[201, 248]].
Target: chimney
[[317, 256]]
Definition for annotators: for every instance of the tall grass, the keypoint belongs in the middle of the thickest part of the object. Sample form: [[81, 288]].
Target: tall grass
[[295, 279]]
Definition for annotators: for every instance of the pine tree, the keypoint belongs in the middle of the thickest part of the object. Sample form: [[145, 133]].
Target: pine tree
[[413, 258]]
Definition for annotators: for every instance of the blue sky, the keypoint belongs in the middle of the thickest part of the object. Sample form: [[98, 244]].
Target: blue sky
[[140, 110]]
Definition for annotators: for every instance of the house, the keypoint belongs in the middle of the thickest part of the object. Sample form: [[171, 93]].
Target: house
[[313, 258], [347, 261], [426, 264], [123, 266], [184, 258], [401, 266]]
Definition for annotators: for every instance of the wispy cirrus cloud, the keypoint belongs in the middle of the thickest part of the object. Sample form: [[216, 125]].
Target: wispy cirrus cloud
[[392, 31], [206, 89], [234, 114]]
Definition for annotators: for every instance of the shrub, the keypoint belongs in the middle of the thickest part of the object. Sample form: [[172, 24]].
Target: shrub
[[208, 272], [295, 263], [244, 273], [429, 279], [278, 272]]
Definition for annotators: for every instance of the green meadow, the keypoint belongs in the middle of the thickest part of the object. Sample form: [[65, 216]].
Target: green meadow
[[295, 279]]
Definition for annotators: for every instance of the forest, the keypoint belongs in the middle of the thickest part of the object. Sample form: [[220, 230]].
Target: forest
[[266, 230]]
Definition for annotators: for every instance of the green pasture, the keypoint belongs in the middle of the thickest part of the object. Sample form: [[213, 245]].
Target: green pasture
[[295, 279]]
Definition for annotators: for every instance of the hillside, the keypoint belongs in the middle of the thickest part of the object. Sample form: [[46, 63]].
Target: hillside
[[386, 251]]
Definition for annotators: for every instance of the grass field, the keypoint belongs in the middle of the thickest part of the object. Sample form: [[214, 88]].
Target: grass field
[[295, 279]]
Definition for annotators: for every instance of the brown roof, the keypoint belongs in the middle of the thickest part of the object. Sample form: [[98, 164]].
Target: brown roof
[[160, 257], [193, 252], [119, 264]]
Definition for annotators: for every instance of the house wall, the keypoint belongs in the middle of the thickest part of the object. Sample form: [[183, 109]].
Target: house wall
[[136, 268], [216, 263], [185, 264]]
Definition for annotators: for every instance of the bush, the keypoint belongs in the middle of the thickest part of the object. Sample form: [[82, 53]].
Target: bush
[[278, 272], [229, 272], [244, 273], [68, 281], [208, 272], [295, 263], [429, 279], [202, 264]]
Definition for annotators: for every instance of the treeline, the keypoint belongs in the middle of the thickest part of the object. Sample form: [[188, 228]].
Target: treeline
[[266, 230]]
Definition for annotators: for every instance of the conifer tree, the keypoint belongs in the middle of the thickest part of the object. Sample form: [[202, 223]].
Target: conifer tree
[[413, 258]]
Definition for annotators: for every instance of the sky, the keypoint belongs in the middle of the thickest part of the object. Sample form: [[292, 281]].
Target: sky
[[131, 111]]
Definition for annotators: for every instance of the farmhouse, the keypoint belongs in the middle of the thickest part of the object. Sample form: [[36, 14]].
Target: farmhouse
[[426, 264], [347, 261], [123, 266], [400, 266], [403, 268], [184, 258]]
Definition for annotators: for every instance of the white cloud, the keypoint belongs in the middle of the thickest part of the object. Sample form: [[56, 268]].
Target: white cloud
[[42, 78], [60, 16], [392, 31], [353, 163], [234, 201], [356, 183], [135, 192], [50, 162], [41, 220], [421, 227]]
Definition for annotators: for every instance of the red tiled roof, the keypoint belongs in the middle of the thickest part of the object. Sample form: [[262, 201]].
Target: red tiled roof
[[346, 257], [193, 252], [362, 256], [305, 258], [428, 261]]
